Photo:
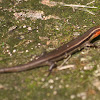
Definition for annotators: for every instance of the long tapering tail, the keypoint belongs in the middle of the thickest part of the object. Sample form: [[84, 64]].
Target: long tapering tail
[[20, 68]]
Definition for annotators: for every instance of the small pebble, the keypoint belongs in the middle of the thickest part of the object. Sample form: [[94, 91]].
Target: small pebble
[[72, 96], [24, 26], [55, 92], [29, 28], [27, 51], [51, 81], [14, 51], [51, 87]]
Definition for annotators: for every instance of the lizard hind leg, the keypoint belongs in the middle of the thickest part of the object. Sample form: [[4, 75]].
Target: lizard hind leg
[[91, 45], [52, 66]]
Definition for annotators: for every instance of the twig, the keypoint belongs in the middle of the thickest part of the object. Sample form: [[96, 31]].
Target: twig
[[76, 6], [65, 67], [88, 11], [90, 2]]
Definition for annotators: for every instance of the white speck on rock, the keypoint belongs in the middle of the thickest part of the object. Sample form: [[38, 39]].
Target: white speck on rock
[[82, 95], [88, 67], [51, 87], [24, 26], [96, 83], [14, 51], [29, 28], [55, 92], [72, 96], [27, 51], [51, 81]]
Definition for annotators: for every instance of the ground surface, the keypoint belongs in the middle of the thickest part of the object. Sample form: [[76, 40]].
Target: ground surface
[[30, 27]]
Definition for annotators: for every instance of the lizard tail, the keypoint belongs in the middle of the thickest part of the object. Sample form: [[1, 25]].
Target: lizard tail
[[20, 68]]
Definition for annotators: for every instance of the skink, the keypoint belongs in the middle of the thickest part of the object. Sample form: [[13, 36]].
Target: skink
[[58, 54]]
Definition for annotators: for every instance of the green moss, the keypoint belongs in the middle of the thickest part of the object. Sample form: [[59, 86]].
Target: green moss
[[67, 84]]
